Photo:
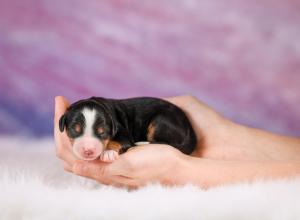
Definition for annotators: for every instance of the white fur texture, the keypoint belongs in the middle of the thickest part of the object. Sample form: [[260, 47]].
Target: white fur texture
[[34, 186], [90, 117]]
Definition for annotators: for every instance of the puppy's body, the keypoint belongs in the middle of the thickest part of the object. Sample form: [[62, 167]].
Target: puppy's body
[[125, 122], [156, 121]]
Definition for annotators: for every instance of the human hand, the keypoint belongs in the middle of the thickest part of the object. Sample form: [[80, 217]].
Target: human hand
[[63, 146], [224, 144], [222, 139], [154, 163], [218, 137], [211, 128], [151, 163], [139, 165]]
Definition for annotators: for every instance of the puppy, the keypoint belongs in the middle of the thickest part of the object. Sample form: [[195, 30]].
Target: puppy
[[103, 128]]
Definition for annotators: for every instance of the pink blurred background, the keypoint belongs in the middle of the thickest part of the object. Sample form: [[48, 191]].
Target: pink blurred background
[[240, 57]]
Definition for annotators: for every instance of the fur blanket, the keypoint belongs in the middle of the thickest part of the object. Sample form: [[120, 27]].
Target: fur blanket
[[34, 186]]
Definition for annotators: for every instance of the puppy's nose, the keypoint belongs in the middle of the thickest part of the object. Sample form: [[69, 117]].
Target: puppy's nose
[[88, 153]]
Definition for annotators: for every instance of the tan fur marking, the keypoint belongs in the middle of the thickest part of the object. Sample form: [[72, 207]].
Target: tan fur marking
[[151, 131], [113, 145]]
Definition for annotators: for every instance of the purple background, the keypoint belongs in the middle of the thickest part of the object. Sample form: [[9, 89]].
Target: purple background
[[240, 57]]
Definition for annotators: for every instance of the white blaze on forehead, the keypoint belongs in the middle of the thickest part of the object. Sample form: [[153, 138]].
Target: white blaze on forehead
[[90, 117], [88, 142]]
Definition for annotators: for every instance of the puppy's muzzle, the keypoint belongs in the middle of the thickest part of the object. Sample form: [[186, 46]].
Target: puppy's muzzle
[[87, 148]]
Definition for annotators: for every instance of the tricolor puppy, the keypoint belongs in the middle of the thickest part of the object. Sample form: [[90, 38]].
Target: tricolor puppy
[[103, 128]]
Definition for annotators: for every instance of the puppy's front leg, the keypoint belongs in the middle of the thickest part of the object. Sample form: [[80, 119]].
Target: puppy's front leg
[[114, 148], [109, 156], [124, 139]]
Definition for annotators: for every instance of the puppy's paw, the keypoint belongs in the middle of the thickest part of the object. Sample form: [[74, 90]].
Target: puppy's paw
[[109, 156]]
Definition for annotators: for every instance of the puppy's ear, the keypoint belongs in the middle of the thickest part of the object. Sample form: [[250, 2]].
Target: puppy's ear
[[114, 126], [62, 123], [113, 119], [107, 107]]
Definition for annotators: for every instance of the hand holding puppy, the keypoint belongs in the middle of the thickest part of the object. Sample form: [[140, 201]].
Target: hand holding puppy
[[134, 168], [229, 153]]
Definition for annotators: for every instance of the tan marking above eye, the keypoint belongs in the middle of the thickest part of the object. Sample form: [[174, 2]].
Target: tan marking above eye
[[77, 128], [100, 130]]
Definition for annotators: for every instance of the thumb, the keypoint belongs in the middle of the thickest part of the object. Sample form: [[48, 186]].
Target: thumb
[[61, 105]]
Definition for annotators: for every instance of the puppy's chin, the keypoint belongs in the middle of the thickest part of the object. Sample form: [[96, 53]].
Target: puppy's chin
[[86, 158]]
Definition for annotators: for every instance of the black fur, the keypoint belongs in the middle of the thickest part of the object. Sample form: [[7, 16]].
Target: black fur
[[127, 121]]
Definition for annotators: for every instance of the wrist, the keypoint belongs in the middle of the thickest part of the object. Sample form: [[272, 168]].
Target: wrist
[[258, 144]]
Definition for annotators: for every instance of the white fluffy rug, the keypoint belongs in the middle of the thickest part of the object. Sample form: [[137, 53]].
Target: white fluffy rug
[[34, 186]]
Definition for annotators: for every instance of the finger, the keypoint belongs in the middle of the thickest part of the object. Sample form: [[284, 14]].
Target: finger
[[66, 155], [93, 170], [121, 182], [131, 183], [62, 142], [96, 170], [100, 171], [178, 100], [67, 167], [190, 103], [61, 105]]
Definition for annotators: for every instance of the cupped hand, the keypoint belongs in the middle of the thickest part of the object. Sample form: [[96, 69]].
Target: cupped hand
[[217, 136], [151, 163], [138, 166], [226, 153]]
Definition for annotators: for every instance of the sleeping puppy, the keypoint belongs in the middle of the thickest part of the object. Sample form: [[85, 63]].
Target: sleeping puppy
[[104, 128]]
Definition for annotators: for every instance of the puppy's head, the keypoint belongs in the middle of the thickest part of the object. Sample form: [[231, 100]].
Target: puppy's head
[[90, 125]]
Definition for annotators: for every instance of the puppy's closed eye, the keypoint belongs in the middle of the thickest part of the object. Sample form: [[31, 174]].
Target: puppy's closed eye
[[102, 133], [78, 128], [75, 130], [100, 130]]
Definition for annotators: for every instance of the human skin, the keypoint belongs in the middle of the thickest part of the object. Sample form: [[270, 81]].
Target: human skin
[[227, 153]]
